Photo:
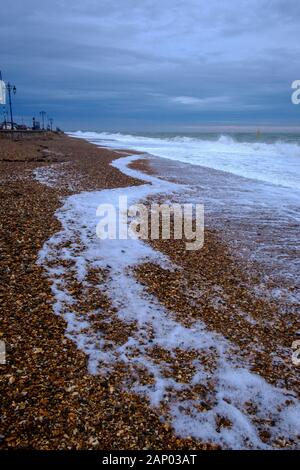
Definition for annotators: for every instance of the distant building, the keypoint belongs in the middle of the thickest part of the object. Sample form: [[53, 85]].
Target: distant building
[[36, 125], [5, 125]]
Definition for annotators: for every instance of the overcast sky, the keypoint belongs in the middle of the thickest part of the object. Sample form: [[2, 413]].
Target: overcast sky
[[152, 64]]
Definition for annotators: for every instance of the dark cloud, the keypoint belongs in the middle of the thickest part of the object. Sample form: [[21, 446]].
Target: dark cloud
[[129, 64]]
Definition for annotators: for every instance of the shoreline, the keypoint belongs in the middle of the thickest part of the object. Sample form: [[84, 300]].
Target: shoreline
[[48, 399], [162, 284]]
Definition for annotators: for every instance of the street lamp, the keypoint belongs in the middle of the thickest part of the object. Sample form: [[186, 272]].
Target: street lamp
[[43, 115], [11, 88]]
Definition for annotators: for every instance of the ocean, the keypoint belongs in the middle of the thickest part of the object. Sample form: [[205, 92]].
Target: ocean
[[249, 185], [269, 157]]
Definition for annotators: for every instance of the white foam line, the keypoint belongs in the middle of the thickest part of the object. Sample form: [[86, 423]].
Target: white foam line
[[235, 387], [276, 163], [49, 175]]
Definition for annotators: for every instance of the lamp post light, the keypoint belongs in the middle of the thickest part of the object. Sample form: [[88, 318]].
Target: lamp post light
[[5, 118], [43, 115], [11, 88], [51, 123]]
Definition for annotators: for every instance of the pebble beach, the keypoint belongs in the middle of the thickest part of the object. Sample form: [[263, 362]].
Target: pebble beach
[[226, 380]]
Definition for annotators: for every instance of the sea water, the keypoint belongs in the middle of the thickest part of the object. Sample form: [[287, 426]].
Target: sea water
[[272, 158]]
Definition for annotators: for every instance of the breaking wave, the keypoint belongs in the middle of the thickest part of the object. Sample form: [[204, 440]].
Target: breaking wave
[[275, 162]]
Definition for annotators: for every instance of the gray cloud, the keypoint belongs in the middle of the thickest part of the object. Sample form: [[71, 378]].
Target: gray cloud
[[127, 64]]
